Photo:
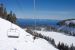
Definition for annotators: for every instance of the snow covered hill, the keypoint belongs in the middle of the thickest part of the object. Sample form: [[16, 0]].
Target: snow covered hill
[[67, 26], [67, 22], [12, 37], [58, 37]]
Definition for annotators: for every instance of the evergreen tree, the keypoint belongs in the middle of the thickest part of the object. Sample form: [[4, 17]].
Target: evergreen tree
[[66, 47], [53, 42], [72, 47], [8, 17], [59, 46], [14, 18], [1, 9], [5, 14]]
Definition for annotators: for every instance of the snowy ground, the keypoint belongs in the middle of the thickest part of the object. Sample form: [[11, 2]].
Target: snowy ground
[[24, 42], [58, 37]]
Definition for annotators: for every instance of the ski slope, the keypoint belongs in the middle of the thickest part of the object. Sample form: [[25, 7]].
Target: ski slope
[[58, 37], [23, 42]]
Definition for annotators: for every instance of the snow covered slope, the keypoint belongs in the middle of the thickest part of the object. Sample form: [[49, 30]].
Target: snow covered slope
[[71, 21], [23, 42], [58, 37]]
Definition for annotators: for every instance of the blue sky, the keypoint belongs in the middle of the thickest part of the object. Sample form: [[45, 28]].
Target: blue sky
[[44, 9]]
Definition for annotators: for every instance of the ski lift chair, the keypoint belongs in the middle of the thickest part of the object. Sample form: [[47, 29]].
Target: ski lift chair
[[12, 33]]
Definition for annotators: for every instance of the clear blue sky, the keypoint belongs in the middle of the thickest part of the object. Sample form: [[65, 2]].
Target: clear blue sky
[[44, 9]]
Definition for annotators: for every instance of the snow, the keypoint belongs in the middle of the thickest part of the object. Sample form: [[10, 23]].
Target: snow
[[70, 21], [73, 21], [24, 42], [67, 22], [61, 27], [59, 37]]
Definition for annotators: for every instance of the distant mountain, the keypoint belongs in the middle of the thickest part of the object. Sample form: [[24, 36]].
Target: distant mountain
[[67, 22], [67, 26]]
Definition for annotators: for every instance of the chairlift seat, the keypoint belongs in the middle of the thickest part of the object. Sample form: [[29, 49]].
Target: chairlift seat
[[13, 33]]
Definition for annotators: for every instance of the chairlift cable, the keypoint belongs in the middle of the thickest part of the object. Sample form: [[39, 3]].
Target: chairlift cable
[[34, 15]]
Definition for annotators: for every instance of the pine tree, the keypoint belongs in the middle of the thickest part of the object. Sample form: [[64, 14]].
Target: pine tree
[[72, 47], [53, 42], [59, 46], [8, 17], [62, 46], [14, 18], [66, 47], [1, 9], [5, 13]]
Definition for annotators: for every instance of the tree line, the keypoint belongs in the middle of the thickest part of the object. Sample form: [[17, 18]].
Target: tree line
[[8, 16]]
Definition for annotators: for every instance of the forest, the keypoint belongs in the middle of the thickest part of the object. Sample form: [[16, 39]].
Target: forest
[[5, 15]]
